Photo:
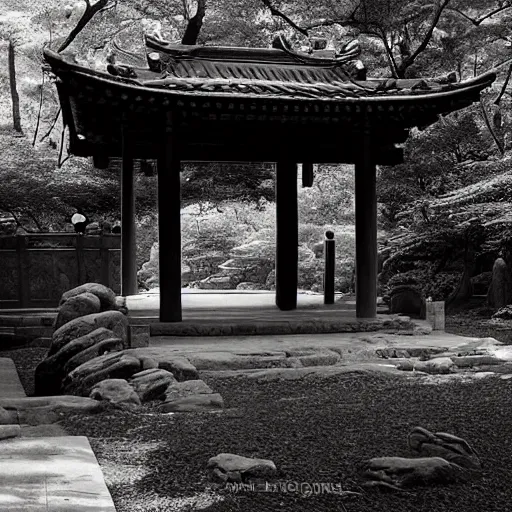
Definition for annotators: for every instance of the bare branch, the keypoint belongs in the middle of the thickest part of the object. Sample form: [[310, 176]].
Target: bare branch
[[276, 12], [502, 92], [426, 39], [88, 14], [478, 21], [52, 125], [489, 127]]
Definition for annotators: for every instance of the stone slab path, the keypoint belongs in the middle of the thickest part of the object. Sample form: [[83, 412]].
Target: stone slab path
[[51, 474], [10, 384]]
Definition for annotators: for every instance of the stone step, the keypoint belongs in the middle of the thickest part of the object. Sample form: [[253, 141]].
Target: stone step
[[52, 474]]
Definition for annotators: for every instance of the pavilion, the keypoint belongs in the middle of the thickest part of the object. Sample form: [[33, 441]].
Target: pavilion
[[199, 103]]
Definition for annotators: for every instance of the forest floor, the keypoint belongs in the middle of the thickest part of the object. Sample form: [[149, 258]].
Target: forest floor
[[316, 430]]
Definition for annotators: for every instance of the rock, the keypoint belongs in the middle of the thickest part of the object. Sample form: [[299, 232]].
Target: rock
[[270, 281], [180, 367], [152, 383], [146, 363], [50, 372], [499, 294], [399, 472], [113, 320], [504, 313], [229, 467], [438, 365], [447, 446], [6, 418], [115, 391], [405, 299], [149, 273], [116, 365], [98, 349], [250, 286], [106, 295], [9, 431], [406, 365], [194, 403], [77, 306], [477, 360], [187, 388], [318, 249]]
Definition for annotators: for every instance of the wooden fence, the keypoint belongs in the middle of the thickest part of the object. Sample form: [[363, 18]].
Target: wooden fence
[[36, 269]]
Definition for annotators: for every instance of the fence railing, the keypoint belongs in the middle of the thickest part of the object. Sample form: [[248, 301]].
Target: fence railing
[[36, 269]]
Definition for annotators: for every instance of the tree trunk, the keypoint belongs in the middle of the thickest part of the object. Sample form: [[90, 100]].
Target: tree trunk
[[194, 25], [16, 116]]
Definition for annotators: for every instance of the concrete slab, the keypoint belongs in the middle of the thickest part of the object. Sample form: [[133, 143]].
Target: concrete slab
[[10, 384], [51, 474]]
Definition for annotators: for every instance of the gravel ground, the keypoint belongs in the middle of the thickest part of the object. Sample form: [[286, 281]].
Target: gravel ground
[[26, 360], [315, 430]]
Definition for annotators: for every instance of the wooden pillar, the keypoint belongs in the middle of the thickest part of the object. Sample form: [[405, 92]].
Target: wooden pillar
[[169, 225], [128, 230], [366, 230], [287, 235]]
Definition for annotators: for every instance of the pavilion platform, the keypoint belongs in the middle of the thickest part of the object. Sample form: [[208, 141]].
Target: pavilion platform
[[237, 313]]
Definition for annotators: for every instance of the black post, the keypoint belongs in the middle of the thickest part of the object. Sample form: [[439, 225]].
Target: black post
[[330, 261], [287, 235], [128, 230], [169, 223]]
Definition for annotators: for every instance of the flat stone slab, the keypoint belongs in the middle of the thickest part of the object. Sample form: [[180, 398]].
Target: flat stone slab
[[11, 386], [51, 474]]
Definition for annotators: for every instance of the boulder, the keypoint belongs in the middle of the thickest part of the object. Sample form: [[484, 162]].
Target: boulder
[[77, 306], [152, 383], [228, 467], [116, 365], [179, 366], [499, 294], [400, 472], [50, 372], [5, 417], [250, 286], [187, 388], [98, 349], [447, 446], [9, 431], [504, 313], [113, 320], [106, 295], [437, 365], [149, 273], [405, 299], [146, 363], [194, 403], [115, 391]]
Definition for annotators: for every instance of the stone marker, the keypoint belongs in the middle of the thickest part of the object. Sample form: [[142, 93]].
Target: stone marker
[[228, 467], [138, 336], [434, 314], [449, 447], [115, 391]]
